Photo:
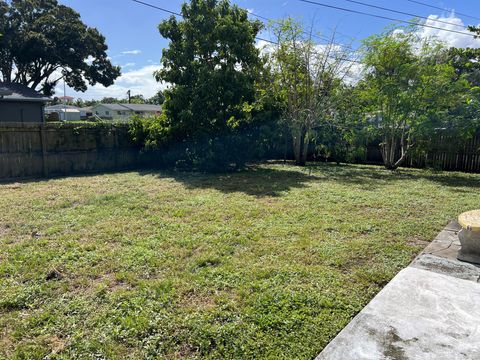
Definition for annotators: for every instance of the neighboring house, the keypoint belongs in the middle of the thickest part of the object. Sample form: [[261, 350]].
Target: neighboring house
[[20, 104], [86, 112], [125, 111], [110, 111], [144, 109], [65, 112]]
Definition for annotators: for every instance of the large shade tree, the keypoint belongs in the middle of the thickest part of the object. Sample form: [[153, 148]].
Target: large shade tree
[[211, 66], [43, 42]]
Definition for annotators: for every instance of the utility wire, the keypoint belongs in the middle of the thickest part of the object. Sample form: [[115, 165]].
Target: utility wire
[[158, 8], [443, 9], [257, 38], [384, 17], [324, 38], [402, 13], [251, 13]]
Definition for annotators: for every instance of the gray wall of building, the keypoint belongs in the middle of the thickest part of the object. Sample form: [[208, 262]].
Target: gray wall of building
[[21, 112]]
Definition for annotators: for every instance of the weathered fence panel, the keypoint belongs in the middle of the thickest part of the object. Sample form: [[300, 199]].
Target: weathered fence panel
[[47, 150], [445, 155]]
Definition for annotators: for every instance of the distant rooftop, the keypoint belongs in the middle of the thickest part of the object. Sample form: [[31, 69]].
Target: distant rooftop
[[143, 107], [133, 107], [19, 92]]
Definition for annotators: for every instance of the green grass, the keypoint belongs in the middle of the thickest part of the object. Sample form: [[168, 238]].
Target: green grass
[[271, 262]]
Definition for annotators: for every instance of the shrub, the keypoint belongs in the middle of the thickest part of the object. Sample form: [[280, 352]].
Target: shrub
[[226, 151]]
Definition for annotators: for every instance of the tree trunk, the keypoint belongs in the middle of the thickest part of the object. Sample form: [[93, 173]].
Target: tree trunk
[[299, 146], [306, 142], [389, 151]]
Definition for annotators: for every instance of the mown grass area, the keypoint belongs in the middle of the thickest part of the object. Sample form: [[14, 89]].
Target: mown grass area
[[271, 262]]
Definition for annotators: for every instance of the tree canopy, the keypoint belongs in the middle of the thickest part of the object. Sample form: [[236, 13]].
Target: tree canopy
[[410, 92], [212, 65], [44, 42], [308, 79], [402, 91]]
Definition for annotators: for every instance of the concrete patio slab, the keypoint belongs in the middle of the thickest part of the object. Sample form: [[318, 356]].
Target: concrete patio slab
[[430, 310]]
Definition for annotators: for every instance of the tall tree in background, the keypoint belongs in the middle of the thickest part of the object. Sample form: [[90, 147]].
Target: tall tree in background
[[411, 92], [211, 64], [308, 77], [44, 42], [157, 99]]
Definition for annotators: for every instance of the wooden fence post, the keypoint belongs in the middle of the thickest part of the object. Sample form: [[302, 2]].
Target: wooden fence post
[[44, 149]]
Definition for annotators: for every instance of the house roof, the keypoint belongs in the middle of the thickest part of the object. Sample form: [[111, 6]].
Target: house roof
[[19, 92], [143, 107], [132, 107], [114, 107]]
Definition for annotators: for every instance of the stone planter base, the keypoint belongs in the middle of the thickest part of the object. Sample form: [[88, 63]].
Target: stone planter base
[[470, 250]]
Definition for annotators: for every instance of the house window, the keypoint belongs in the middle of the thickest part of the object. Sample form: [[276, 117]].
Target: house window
[[107, 112]]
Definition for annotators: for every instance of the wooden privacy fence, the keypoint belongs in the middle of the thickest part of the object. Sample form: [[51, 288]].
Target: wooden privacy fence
[[34, 150], [458, 158], [445, 155]]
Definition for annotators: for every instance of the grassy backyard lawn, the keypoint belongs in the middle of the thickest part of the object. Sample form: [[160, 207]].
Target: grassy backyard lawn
[[267, 263]]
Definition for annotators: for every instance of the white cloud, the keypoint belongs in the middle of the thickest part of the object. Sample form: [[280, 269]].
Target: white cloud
[[450, 39], [139, 82], [132, 52], [343, 61], [265, 47], [130, 64]]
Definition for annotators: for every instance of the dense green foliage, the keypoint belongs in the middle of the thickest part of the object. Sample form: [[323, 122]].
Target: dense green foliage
[[310, 100], [267, 263], [224, 152], [411, 92], [44, 42], [212, 65], [218, 112]]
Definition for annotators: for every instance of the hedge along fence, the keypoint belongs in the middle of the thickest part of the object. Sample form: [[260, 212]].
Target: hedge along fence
[[36, 150]]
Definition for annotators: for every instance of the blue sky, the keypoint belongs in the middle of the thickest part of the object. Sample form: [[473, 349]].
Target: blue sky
[[135, 44]]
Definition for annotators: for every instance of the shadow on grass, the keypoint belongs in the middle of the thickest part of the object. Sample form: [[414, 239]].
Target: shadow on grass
[[263, 181], [256, 181], [375, 176], [276, 178]]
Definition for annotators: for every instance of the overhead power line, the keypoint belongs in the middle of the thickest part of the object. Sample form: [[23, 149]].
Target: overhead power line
[[384, 17], [402, 13], [158, 8], [324, 38], [251, 13], [257, 38], [443, 9]]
